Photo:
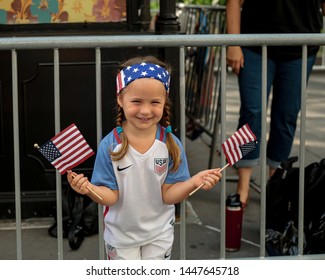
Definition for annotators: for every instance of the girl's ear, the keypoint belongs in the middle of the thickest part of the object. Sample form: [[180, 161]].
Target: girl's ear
[[119, 100]]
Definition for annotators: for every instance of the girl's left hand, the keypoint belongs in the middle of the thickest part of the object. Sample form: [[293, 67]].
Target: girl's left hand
[[209, 177]]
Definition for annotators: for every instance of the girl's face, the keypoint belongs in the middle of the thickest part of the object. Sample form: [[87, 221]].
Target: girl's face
[[143, 103]]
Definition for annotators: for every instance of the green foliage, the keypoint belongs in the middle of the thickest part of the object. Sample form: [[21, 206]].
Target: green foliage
[[154, 4], [197, 2]]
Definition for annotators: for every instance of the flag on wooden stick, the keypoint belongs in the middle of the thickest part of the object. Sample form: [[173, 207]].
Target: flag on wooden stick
[[235, 147], [67, 149]]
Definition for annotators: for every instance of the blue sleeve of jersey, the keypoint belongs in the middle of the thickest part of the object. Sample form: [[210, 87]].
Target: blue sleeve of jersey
[[103, 173], [182, 173]]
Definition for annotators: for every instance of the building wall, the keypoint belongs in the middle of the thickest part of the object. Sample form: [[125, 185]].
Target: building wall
[[59, 11]]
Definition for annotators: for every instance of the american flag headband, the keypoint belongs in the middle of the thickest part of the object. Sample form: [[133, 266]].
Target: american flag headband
[[139, 71]]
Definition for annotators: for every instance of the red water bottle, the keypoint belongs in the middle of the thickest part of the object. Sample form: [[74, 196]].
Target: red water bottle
[[234, 218]]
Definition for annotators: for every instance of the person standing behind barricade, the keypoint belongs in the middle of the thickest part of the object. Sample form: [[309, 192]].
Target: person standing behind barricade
[[141, 169], [284, 66]]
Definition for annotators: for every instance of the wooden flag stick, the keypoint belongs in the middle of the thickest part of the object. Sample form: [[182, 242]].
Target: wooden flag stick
[[200, 186], [96, 194]]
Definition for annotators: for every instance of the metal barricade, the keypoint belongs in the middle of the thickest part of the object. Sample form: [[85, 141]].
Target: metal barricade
[[182, 41]]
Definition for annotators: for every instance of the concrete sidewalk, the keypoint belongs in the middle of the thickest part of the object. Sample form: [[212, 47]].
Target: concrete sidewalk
[[203, 208]]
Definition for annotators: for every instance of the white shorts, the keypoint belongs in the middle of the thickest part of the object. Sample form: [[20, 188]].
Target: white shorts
[[159, 249]]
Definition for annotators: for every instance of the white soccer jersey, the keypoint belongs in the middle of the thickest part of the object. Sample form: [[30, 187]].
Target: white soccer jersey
[[140, 215]]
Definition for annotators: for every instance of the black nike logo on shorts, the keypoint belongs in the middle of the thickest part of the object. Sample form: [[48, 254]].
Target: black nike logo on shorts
[[167, 255], [123, 168]]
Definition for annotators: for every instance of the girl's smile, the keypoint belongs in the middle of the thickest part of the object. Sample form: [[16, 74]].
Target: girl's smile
[[143, 103]]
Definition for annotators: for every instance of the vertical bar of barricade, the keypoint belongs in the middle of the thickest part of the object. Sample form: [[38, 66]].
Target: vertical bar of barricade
[[216, 110], [302, 151], [99, 129], [223, 159], [263, 151], [323, 49], [15, 116], [57, 174], [183, 137]]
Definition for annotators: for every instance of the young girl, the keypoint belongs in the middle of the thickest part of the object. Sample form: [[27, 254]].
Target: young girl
[[141, 170]]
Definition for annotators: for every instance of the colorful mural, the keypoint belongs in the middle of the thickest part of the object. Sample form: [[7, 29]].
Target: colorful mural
[[60, 11]]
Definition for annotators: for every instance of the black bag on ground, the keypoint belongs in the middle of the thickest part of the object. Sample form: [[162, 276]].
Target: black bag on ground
[[79, 217], [282, 204]]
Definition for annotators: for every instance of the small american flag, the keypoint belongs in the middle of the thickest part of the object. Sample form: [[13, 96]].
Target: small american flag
[[67, 149], [239, 144]]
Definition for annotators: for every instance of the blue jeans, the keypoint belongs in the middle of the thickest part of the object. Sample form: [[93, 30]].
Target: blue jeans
[[284, 77]]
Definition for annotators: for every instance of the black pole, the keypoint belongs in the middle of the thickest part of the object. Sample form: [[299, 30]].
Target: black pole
[[138, 15], [167, 19]]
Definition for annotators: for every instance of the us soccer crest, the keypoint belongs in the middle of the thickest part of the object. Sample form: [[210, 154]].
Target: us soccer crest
[[160, 165]]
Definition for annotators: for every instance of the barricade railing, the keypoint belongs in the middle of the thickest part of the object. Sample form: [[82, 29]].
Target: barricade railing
[[181, 41], [202, 71]]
